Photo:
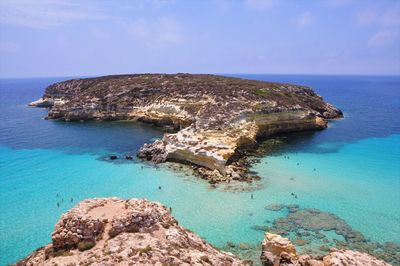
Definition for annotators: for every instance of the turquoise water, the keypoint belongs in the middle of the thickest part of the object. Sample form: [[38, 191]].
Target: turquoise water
[[360, 183], [356, 162]]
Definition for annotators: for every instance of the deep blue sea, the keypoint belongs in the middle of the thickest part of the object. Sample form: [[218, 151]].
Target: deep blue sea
[[351, 169]]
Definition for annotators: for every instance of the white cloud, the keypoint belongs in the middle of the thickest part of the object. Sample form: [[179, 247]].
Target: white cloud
[[305, 20], [260, 4], [43, 14], [383, 38], [378, 15], [385, 18], [163, 32], [391, 18]]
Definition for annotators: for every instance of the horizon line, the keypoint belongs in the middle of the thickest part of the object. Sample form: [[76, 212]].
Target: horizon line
[[222, 74]]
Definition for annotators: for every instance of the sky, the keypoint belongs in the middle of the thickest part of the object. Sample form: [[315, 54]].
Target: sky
[[44, 38]]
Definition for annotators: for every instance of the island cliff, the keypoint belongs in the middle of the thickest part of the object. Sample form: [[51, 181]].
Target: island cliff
[[213, 118], [113, 231]]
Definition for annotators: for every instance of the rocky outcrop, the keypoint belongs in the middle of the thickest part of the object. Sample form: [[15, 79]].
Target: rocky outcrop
[[42, 102], [349, 257], [279, 251], [214, 117], [154, 152], [112, 231]]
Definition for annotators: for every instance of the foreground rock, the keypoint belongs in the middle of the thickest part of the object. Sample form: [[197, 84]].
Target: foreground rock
[[215, 117], [277, 251], [112, 231]]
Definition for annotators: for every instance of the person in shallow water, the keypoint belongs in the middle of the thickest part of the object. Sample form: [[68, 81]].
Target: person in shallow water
[[159, 187]]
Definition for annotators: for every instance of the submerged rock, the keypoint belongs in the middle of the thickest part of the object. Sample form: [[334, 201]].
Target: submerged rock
[[113, 157], [278, 207], [309, 225], [261, 228], [279, 251], [275, 207], [216, 119], [128, 157]]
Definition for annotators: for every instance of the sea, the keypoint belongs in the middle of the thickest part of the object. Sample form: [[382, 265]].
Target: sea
[[317, 188]]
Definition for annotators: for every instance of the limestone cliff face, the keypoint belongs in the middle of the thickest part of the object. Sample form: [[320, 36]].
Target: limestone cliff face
[[213, 116]]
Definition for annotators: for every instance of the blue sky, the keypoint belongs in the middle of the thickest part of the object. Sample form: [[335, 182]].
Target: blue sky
[[72, 38]]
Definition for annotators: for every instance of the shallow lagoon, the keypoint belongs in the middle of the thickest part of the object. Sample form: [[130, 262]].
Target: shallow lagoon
[[356, 173]]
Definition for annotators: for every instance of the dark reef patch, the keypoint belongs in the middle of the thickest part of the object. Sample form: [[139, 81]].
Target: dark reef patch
[[314, 232]]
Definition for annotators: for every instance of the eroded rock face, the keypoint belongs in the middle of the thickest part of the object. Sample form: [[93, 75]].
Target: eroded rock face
[[112, 231], [214, 116], [279, 251], [349, 257], [154, 152]]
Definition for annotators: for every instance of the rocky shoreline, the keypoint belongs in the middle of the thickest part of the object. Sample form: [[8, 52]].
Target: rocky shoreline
[[113, 231], [215, 120]]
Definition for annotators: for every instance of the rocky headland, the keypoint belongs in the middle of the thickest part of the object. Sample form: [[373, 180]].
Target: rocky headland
[[214, 120], [113, 231]]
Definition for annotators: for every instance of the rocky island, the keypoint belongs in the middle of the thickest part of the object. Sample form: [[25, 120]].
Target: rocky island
[[214, 119], [113, 231]]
